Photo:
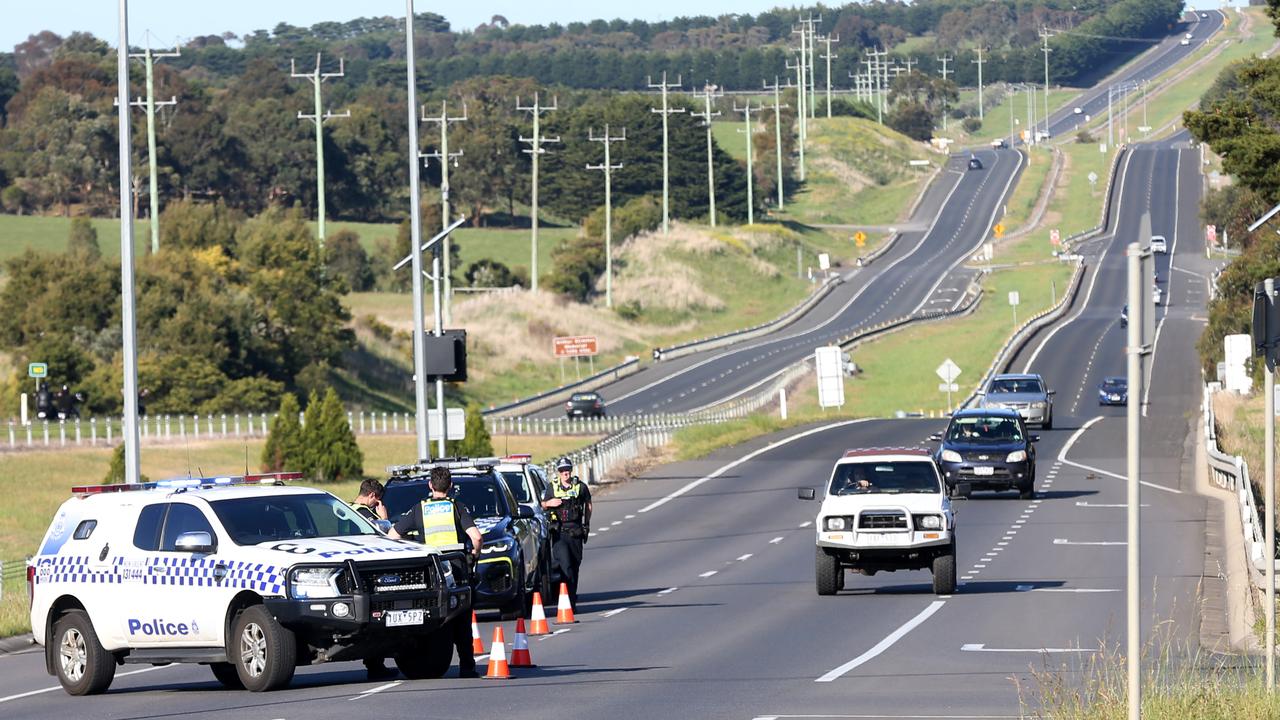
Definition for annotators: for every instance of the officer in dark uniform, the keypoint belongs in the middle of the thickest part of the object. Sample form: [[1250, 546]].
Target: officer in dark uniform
[[436, 525], [569, 504]]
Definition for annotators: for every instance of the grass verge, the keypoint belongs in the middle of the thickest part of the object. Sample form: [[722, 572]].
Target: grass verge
[[34, 484]]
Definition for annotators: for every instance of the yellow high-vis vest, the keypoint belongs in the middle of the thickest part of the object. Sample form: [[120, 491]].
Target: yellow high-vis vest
[[438, 527]]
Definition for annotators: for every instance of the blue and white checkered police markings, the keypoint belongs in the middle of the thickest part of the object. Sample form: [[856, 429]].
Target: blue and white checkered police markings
[[247, 575]]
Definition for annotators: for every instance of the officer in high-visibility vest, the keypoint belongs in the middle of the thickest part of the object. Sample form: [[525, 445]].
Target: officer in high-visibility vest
[[569, 503], [439, 521]]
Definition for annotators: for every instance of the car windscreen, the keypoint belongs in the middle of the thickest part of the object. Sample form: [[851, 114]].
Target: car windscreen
[[253, 520], [1010, 385], [482, 497], [899, 476], [516, 484], [982, 429], [1115, 383]]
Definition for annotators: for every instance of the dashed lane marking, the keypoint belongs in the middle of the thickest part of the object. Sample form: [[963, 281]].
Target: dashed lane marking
[[776, 540], [982, 647], [1099, 543], [611, 613], [668, 591], [59, 687], [884, 644], [708, 573]]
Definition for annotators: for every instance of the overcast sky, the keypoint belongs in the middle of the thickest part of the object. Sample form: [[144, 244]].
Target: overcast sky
[[169, 20]]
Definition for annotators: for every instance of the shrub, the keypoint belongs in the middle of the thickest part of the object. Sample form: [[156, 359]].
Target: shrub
[[283, 450], [82, 241], [332, 452], [1084, 138], [577, 264], [913, 120], [971, 124], [346, 258], [477, 442], [489, 273], [637, 215]]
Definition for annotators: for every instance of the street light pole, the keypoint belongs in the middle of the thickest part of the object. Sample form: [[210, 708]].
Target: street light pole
[[1269, 468], [128, 322], [148, 57], [535, 149], [608, 169], [709, 93], [415, 235], [666, 111], [444, 156], [316, 77]]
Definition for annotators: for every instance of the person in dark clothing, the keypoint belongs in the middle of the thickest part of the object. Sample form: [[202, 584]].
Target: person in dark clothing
[[569, 503], [439, 521], [369, 502]]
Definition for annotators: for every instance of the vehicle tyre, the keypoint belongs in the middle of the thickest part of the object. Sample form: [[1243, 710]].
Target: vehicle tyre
[[83, 666], [428, 658], [264, 651], [519, 599], [827, 573], [1048, 422], [1027, 492], [944, 572], [227, 674], [544, 586]]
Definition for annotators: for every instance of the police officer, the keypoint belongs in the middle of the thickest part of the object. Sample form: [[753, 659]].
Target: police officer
[[368, 504], [441, 521], [569, 503]]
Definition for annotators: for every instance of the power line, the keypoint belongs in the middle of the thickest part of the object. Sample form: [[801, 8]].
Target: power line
[[607, 140], [316, 77], [444, 156], [709, 93], [666, 111], [535, 149]]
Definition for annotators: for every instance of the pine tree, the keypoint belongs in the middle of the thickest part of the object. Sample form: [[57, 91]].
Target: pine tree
[[477, 443], [332, 449], [115, 473], [312, 441], [283, 450]]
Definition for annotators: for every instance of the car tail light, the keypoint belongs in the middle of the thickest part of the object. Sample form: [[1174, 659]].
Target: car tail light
[[599, 404], [31, 584], [568, 405]]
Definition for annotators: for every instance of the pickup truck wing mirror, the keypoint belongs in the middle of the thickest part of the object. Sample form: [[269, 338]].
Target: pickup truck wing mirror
[[1052, 392], [936, 437], [806, 493], [1035, 438]]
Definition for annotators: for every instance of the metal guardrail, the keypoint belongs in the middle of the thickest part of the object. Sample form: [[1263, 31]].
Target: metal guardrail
[[1231, 473], [543, 400]]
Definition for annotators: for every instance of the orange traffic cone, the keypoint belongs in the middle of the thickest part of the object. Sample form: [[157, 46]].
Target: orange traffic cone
[[520, 657], [538, 618], [498, 668], [564, 609], [477, 645]]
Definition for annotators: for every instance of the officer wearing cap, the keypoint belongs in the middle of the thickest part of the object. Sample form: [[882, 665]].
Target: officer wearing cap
[[569, 505]]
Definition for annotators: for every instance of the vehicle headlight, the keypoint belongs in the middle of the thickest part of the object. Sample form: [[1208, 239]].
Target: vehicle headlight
[[497, 546], [951, 456], [315, 582], [1039, 405], [1016, 456], [836, 523], [931, 522]]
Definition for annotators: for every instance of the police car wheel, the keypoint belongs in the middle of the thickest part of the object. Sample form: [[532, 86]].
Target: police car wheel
[[519, 598], [827, 573], [82, 665], [263, 650], [227, 674], [427, 659]]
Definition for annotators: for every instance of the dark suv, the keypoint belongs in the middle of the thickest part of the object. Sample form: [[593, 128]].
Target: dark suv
[[987, 449], [515, 556]]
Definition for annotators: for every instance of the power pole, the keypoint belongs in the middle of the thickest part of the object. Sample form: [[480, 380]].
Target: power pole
[[444, 156], [945, 72], [979, 62], [316, 77], [535, 149], [608, 169], [911, 64], [828, 56], [813, 75], [751, 201], [1044, 35], [666, 111], [776, 87], [709, 93], [802, 67], [800, 119], [148, 57], [1012, 136], [873, 69]]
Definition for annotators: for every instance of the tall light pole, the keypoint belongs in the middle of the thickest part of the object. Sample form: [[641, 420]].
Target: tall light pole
[[316, 77], [148, 59], [1269, 469], [535, 149], [415, 244], [666, 111], [709, 94], [1044, 35], [776, 87], [748, 131], [608, 169], [127, 321], [444, 156], [945, 72], [800, 119], [979, 62], [828, 56]]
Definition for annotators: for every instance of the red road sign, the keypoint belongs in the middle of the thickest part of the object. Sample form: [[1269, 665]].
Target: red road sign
[[1211, 234], [575, 346], [1053, 236]]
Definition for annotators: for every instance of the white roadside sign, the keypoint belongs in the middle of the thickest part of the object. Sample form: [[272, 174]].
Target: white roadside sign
[[829, 362], [948, 371]]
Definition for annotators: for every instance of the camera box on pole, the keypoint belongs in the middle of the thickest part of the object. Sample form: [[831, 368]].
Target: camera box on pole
[[446, 356], [1266, 326]]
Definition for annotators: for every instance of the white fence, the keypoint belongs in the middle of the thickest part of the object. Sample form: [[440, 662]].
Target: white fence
[[1231, 472]]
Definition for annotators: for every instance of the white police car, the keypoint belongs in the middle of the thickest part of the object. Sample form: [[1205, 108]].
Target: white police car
[[884, 509], [244, 574]]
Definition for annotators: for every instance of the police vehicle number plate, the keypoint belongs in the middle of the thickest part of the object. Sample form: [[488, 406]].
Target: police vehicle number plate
[[396, 618], [983, 470]]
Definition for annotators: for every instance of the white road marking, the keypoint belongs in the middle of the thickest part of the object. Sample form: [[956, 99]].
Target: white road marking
[[611, 613], [981, 647], [629, 516], [616, 522], [776, 540], [746, 458], [1064, 541], [884, 644], [890, 717], [708, 573], [379, 689], [29, 693], [806, 523], [1085, 503], [744, 557], [668, 591], [1062, 457], [548, 637]]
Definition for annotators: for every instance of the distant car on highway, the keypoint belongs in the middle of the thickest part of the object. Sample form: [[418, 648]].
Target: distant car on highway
[[1184, 41], [1078, 111], [1157, 295], [987, 449], [1159, 244], [974, 163], [1026, 393], [884, 509], [585, 404], [1204, 15], [999, 143], [1113, 391], [1187, 36]]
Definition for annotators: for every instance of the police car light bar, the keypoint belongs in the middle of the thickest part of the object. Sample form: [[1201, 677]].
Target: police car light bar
[[184, 483], [519, 458], [424, 467]]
